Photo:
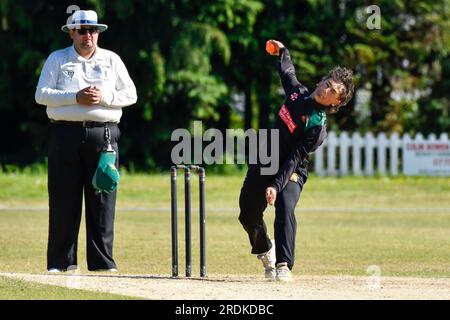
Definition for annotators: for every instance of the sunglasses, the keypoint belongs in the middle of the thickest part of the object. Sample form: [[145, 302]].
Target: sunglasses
[[83, 31]]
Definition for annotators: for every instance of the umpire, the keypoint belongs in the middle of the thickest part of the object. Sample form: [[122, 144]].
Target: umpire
[[301, 123], [84, 88]]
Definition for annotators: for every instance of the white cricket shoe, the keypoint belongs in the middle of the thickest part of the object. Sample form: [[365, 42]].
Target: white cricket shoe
[[268, 260], [72, 267], [105, 270], [283, 273]]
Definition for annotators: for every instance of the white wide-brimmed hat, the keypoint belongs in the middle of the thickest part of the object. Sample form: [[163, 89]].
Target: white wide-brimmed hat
[[83, 18]]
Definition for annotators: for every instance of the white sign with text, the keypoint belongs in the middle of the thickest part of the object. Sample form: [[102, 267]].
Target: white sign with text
[[430, 158]]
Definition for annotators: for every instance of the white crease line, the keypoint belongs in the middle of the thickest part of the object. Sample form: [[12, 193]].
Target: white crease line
[[299, 209]]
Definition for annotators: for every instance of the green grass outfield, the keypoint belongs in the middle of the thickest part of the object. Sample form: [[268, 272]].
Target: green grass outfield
[[345, 225], [12, 289]]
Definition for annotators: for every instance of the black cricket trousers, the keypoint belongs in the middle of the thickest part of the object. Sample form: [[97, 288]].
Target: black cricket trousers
[[73, 154], [252, 202]]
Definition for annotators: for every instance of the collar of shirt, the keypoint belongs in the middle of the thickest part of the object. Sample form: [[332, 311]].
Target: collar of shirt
[[310, 101], [96, 56]]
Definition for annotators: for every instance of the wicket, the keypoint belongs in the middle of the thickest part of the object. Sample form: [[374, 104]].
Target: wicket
[[187, 207]]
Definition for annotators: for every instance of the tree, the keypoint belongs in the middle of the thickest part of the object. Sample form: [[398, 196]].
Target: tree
[[189, 59]]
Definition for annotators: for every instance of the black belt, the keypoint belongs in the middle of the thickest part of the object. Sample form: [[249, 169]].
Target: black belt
[[86, 124]]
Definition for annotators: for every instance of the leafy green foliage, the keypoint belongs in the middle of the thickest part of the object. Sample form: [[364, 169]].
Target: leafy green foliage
[[189, 59]]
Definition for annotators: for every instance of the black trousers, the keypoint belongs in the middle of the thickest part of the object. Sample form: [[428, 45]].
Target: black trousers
[[73, 155], [252, 202]]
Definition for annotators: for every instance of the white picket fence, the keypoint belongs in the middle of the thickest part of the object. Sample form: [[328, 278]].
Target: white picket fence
[[364, 155]]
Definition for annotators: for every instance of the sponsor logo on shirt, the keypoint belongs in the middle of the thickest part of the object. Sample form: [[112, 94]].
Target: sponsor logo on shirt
[[70, 74], [287, 119]]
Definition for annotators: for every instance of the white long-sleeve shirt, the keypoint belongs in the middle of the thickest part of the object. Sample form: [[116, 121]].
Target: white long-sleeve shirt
[[65, 73]]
